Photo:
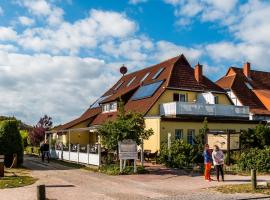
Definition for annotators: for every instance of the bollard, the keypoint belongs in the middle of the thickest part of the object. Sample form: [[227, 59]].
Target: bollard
[[41, 192], [253, 179], [2, 163]]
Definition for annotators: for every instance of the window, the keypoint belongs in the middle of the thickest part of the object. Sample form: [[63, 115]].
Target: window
[[216, 99], [249, 86], [190, 136], [180, 97], [158, 73], [145, 76], [96, 104], [131, 81], [146, 90], [178, 134], [109, 107], [118, 85]]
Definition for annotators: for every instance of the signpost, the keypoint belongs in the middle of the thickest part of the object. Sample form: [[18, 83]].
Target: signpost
[[127, 151], [2, 160]]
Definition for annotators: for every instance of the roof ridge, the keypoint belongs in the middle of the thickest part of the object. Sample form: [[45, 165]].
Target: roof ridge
[[169, 59]]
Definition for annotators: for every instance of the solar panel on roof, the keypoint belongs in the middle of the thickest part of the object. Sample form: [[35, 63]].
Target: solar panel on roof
[[158, 73], [146, 91], [96, 103]]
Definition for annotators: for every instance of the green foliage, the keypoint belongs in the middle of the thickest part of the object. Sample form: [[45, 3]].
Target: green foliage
[[126, 126], [10, 141], [25, 139], [114, 169], [182, 154], [32, 150], [255, 158], [258, 137]]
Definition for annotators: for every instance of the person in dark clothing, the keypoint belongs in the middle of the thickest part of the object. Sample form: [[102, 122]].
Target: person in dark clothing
[[45, 149]]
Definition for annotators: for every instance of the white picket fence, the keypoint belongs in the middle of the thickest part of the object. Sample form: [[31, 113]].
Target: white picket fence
[[77, 156]]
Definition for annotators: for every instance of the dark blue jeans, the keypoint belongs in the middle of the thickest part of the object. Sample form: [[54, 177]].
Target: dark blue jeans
[[47, 154]]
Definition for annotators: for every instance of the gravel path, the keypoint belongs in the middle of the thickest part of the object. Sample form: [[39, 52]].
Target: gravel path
[[63, 183]]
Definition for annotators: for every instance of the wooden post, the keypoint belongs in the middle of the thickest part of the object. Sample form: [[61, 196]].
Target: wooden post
[[121, 166], [41, 192], [2, 164], [88, 149], [142, 154], [253, 179], [169, 146]]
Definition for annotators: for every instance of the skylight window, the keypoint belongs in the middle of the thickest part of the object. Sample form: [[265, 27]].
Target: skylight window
[[145, 76], [96, 103], [158, 73], [146, 90], [249, 86], [131, 81], [118, 85]]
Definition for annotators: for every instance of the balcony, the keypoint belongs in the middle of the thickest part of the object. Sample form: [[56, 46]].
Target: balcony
[[200, 109]]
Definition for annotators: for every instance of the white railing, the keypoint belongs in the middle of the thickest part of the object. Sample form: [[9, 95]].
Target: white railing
[[184, 108], [88, 157]]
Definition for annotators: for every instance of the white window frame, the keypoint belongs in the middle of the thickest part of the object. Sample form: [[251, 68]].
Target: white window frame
[[109, 107]]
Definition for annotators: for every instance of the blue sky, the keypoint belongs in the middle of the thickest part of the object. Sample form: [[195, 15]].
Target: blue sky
[[58, 56]]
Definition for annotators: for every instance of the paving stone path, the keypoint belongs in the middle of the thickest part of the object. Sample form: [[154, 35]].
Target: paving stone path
[[64, 183]]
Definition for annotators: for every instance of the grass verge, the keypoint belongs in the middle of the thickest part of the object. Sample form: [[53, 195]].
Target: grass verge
[[242, 188], [114, 169], [17, 177]]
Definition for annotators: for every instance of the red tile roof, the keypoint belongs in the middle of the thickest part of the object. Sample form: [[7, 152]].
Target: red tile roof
[[236, 81], [177, 73]]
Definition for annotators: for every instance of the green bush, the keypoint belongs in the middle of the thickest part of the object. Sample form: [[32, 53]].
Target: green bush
[[10, 141], [255, 158], [32, 150], [182, 154], [24, 135]]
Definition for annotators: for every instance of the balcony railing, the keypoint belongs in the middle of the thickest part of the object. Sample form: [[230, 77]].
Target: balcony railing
[[199, 109]]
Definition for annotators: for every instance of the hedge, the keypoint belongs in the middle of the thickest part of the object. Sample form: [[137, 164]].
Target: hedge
[[10, 141]]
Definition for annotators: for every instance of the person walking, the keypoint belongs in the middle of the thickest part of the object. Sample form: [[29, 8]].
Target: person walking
[[218, 160], [46, 151], [207, 163]]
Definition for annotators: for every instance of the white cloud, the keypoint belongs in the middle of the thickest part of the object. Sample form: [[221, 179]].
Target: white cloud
[[134, 2], [7, 33], [84, 33], [165, 50], [42, 8], [59, 86], [26, 21]]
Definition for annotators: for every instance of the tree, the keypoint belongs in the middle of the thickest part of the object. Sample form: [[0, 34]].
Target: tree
[[10, 141], [200, 138], [37, 134], [126, 126]]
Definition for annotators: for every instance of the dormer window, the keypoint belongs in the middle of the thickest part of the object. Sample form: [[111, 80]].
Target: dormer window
[[109, 107], [131, 81], [158, 73], [118, 85], [145, 76]]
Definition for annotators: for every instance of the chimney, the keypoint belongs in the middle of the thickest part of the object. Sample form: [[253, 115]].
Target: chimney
[[198, 72], [246, 69]]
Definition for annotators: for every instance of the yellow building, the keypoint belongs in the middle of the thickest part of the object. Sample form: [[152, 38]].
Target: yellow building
[[174, 99]]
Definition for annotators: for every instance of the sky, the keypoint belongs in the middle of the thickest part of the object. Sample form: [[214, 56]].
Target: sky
[[58, 56]]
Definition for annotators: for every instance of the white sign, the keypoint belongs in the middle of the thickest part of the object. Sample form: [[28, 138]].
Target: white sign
[[127, 149], [2, 158]]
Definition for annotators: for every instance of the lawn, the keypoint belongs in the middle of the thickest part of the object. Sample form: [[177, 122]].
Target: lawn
[[18, 177], [243, 188]]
